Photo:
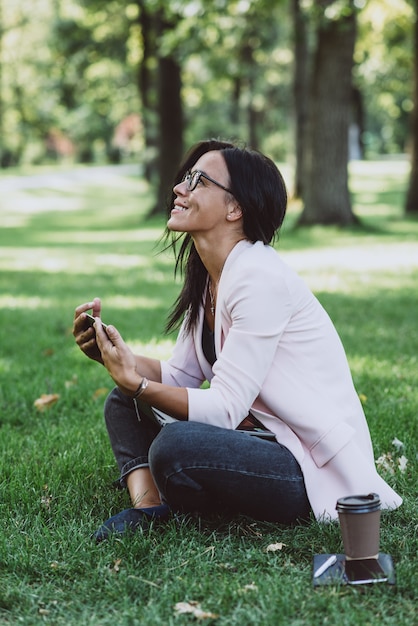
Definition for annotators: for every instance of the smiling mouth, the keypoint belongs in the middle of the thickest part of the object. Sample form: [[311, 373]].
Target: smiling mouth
[[179, 207]]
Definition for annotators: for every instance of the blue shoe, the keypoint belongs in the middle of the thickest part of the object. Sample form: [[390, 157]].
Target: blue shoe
[[130, 520]]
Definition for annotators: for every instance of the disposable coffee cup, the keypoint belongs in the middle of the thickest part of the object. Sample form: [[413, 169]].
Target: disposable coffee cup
[[359, 518]]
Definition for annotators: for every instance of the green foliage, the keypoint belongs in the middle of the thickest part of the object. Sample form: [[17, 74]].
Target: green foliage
[[237, 70], [76, 235], [78, 82], [384, 69]]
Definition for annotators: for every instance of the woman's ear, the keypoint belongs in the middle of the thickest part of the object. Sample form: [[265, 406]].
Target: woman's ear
[[234, 212]]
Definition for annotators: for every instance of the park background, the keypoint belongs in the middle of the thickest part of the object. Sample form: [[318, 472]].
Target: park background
[[98, 101]]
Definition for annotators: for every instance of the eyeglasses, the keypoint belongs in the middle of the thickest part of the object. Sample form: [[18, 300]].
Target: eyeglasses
[[192, 179]]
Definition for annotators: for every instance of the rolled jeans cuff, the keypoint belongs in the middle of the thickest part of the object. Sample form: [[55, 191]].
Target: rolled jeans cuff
[[129, 467]]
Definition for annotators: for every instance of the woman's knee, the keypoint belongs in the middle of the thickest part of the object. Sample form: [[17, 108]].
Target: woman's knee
[[115, 403], [164, 445], [169, 448]]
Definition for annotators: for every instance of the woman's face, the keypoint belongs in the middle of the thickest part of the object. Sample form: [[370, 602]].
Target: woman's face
[[205, 208]]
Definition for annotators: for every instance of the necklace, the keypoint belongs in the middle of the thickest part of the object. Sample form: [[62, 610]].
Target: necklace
[[211, 298], [213, 294]]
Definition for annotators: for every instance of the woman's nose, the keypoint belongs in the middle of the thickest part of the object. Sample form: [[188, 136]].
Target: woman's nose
[[181, 188]]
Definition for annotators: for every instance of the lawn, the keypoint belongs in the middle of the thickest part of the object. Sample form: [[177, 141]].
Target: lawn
[[66, 237]]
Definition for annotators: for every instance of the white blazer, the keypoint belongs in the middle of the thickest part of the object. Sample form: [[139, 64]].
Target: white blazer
[[279, 355]]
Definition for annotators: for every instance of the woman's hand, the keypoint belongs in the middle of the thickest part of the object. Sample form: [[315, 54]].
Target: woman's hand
[[84, 333], [118, 359]]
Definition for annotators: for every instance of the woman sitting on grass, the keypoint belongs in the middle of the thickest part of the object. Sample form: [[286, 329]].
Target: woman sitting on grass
[[276, 367]]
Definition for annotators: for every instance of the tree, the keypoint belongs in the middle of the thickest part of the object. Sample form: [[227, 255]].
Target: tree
[[170, 115], [383, 73], [326, 195], [1, 80], [146, 86], [159, 85], [91, 75], [231, 61], [300, 91], [246, 75], [412, 195], [222, 55], [12, 23]]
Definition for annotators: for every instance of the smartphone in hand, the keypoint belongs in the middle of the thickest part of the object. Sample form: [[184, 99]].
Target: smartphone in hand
[[91, 320]]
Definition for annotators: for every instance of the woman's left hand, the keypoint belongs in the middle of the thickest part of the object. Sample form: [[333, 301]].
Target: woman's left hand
[[118, 359]]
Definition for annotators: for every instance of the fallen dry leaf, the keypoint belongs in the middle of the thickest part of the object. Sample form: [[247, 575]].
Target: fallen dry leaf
[[116, 566], [47, 498], [71, 383], [402, 463], [388, 464], [273, 547], [194, 609], [385, 463], [46, 501], [250, 587], [43, 611], [99, 393], [397, 444], [46, 401]]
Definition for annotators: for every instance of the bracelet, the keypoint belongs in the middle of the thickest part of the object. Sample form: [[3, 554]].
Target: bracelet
[[141, 388]]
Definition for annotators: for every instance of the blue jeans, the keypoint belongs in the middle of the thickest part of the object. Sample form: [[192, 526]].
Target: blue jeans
[[206, 469]]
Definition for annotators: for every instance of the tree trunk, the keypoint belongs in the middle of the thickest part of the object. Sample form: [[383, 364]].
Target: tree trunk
[[170, 117], [1, 86], [326, 196], [250, 69], [236, 97], [411, 206], [300, 92], [146, 87]]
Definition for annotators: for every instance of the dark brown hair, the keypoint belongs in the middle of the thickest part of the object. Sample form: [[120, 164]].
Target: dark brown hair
[[259, 188]]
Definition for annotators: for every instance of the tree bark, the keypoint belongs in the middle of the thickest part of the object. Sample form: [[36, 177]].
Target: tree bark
[[147, 87], [300, 92], [248, 61], [326, 196], [1, 86], [170, 120], [411, 206]]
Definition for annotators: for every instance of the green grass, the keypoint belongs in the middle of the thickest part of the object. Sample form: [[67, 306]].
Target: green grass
[[62, 245]]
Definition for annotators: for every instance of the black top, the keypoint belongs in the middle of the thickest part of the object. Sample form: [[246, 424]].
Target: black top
[[208, 343]]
